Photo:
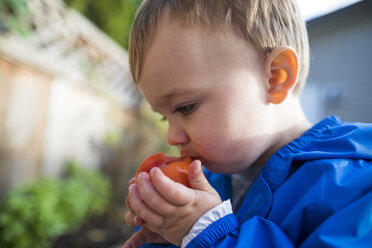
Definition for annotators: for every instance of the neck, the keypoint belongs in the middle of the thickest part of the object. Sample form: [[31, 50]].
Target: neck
[[289, 123]]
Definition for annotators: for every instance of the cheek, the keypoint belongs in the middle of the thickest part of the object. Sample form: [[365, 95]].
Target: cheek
[[203, 138], [226, 140], [210, 136]]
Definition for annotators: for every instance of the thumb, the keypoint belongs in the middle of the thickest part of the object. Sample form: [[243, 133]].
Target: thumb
[[197, 179]]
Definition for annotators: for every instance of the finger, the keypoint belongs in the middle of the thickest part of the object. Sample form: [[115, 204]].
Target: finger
[[152, 197], [127, 203], [197, 178], [131, 181], [132, 219], [173, 192], [141, 209]]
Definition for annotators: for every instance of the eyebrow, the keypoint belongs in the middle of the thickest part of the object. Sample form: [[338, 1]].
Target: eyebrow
[[179, 91], [175, 92]]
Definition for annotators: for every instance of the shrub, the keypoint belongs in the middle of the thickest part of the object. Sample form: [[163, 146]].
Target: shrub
[[34, 214]]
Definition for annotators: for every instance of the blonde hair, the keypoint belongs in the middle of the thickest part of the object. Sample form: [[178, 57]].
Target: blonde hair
[[266, 23]]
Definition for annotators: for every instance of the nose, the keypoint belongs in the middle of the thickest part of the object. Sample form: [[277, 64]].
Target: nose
[[177, 134]]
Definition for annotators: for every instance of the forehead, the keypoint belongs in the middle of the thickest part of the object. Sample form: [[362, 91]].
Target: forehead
[[172, 38], [175, 50], [183, 57], [174, 42]]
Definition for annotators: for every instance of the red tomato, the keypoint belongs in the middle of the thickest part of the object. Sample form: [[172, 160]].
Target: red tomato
[[172, 167]]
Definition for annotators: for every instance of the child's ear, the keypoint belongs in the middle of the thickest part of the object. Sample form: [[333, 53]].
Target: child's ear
[[282, 70]]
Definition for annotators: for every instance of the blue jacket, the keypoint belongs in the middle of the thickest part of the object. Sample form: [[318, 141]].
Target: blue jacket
[[314, 192]]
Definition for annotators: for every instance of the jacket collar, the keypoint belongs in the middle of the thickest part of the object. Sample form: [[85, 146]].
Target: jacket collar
[[258, 200]]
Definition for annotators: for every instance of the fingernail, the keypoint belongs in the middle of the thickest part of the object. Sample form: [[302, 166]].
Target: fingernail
[[131, 181], [197, 167], [152, 171], [143, 175], [133, 188]]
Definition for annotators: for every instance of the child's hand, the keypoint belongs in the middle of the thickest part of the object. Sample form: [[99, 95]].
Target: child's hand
[[168, 208], [143, 235]]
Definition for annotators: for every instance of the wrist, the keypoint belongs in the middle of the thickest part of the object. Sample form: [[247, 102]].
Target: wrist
[[205, 220]]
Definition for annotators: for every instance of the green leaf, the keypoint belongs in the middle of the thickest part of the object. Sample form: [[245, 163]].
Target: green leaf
[[32, 215]]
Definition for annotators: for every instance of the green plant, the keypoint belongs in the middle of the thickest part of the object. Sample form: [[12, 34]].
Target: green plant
[[32, 215], [114, 17]]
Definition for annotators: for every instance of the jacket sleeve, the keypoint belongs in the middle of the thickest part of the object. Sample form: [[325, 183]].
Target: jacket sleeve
[[226, 232], [350, 227], [256, 232]]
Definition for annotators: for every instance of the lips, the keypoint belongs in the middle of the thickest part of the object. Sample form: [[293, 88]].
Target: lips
[[194, 157]]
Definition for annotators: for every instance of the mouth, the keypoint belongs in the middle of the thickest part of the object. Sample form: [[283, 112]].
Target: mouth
[[201, 159], [193, 157]]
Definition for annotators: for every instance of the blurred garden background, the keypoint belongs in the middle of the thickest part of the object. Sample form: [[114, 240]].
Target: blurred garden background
[[74, 128]]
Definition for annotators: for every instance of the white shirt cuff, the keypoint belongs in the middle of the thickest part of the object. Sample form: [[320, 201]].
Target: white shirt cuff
[[205, 220]]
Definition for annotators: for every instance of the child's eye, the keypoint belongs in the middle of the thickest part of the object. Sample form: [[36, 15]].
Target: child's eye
[[185, 109]]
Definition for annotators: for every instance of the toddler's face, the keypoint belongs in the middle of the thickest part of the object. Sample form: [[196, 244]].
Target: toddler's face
[[211, 89]]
